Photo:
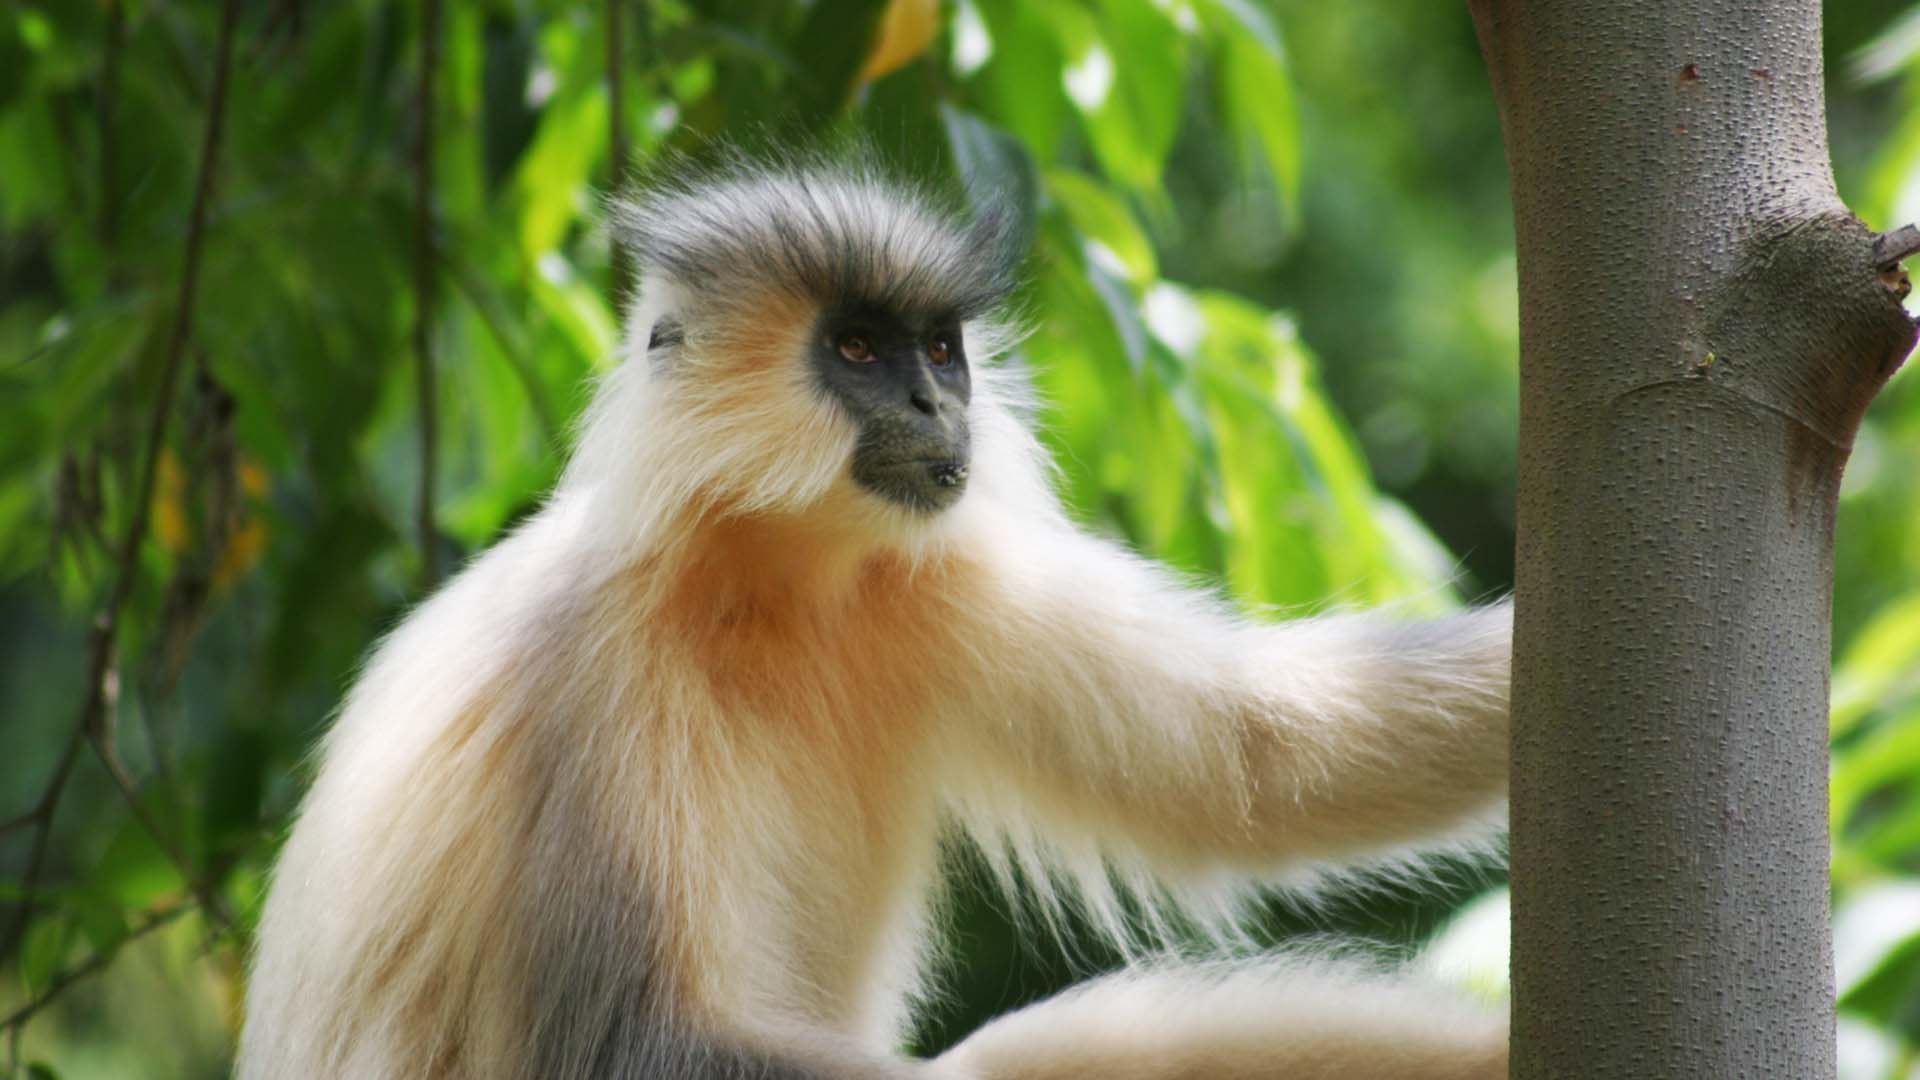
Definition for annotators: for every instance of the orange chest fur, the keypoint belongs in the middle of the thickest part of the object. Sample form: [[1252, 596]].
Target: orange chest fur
[[848, 655]]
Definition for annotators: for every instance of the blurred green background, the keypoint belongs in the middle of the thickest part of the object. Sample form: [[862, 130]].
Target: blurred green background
[[1272, 292]]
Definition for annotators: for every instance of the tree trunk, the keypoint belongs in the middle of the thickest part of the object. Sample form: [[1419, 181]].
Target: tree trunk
[[1702, 325]]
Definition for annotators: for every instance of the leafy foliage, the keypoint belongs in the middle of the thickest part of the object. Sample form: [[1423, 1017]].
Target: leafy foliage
[[1209, 188]]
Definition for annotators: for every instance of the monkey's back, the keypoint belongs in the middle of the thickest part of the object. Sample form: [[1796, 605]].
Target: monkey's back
[[382, 947]]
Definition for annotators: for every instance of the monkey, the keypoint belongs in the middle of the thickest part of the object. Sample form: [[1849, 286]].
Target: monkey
[[658, 786]]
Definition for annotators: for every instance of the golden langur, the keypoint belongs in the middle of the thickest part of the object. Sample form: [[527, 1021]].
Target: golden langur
[[656, 786]]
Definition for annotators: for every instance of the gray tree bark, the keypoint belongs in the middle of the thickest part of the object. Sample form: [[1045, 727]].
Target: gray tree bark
[[1703, 324]]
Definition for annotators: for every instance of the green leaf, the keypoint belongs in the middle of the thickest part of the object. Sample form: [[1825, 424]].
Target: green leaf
[[1892, 49], [1303, 509], [133, 872], [1890, 753], [1419, 559], [1893, 836], [1256, 94], [509, 120], [1259, 101], [1124, 74], [1880, 667], [234, 789], [100, 918], [1020, 85], [43, 951], [55, 396], [552, 182], [580, 312], [1896, 163], [307, 98], [830, 47], [29, 139], [1877, 952], [1122, 306], [1104, 218]]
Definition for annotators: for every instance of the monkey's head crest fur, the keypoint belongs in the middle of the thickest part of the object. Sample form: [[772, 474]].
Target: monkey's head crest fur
[[820, 230], [719, 405]]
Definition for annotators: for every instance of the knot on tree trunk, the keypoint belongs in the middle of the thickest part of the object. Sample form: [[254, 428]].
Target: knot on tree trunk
[[1807, 326]]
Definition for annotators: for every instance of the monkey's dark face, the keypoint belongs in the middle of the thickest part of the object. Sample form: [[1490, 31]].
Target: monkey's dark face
[[903, 379]]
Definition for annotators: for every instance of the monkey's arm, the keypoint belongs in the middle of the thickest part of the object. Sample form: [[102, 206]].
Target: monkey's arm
[[1120, 698]]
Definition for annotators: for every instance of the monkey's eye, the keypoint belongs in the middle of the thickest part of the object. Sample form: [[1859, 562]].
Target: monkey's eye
[[855, 348], [939, 351]]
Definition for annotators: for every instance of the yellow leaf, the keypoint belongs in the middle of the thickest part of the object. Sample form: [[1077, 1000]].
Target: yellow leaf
[[253, 478], [906, 30], [248, 540], [169, 514]]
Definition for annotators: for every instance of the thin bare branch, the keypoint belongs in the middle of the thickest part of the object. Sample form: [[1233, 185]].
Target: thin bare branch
[[109, 99], [426, 387], [103, 748], [18, 1018], [617, 147], [100, 652], [41, 817]]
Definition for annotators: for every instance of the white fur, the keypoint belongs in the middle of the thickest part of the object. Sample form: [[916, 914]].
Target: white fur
[[687, 738], [1307, 1020]]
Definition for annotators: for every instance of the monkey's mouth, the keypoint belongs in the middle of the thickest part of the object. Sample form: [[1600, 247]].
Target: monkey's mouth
[[948, 474], [927, 485]]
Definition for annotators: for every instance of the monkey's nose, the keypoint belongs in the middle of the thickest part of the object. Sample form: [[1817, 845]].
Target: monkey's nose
[[924, 401]]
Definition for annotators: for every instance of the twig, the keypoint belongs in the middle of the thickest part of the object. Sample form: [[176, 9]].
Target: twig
[[617, 145], [100, 651], [1890, 247], [41, 817], [103, 684], [109, 99], [16, 1019], [103, 748], [211, 460], [19, 821], [425, 391]]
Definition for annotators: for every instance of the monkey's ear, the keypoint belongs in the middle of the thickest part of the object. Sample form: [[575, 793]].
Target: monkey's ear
[[1001, 189], [666, 333], [999, 229], [663, 344]]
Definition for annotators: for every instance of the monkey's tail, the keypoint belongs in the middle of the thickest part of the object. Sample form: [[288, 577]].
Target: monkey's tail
[[1302, 1020]]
